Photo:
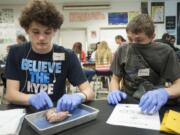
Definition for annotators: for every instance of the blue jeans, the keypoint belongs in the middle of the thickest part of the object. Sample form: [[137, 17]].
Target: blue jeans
[[89, 73]]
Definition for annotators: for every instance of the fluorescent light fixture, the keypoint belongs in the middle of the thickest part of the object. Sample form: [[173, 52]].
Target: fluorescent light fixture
[[86, 6]]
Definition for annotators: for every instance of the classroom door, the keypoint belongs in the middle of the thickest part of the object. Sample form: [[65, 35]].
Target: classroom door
[[69, 36], [109, 34]]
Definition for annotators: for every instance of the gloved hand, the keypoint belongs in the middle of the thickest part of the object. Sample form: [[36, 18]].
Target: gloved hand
[[68, 102], [40, 100], [116, 96], [153, 100]]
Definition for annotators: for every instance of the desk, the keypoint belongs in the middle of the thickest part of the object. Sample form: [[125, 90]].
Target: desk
[[98, 126], [88, 65]]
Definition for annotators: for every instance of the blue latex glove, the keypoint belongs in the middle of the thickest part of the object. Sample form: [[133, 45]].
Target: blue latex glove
[[68, 102], [116, 96], [40, 100], [152, 101]]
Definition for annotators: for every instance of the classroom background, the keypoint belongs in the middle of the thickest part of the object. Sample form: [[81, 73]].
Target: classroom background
[[90, 21]]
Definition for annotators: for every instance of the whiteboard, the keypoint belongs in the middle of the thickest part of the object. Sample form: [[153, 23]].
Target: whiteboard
[[69, 36], [109, 34]]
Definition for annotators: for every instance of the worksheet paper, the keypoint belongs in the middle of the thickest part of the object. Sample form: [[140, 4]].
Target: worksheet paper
[[131, 116], [11, 121]]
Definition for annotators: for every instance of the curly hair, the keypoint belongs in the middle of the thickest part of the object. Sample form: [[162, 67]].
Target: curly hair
[[43, 12]]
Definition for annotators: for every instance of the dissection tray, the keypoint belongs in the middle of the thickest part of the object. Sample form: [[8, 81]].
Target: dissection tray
[[81, 115]]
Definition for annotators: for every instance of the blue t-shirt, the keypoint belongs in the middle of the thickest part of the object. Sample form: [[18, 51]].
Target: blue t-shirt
[[37, 71]]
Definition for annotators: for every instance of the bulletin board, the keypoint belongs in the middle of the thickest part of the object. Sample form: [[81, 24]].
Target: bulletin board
[[109, 34], [69, 36], [117, 18], [7, 26], [7, 29]]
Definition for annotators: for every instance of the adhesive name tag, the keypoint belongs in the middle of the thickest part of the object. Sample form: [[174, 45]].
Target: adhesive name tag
[[58, 56], [144, 72]]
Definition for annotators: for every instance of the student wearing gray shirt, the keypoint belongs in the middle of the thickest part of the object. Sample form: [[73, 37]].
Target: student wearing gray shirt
[[145, 67]]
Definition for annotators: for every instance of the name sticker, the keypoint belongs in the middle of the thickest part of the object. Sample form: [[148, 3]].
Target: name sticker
[[59, 56], [144, 72]]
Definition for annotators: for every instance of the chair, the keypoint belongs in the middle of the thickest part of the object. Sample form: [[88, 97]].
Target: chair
[[70, 88], [102, 80]]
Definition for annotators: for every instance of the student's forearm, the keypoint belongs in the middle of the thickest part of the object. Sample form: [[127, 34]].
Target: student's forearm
[[17, 98], [174, 90], [87, 90], [13, 95], [115, 83]]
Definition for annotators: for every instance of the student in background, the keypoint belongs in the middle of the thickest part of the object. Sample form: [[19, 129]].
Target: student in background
[[119, 40], [77, 48], [172, 43], [36, 71], [169, 40], [103, 56], [20, 39], [145, 67], [164, 39], [103, 61], [172, 40], [93, 55]]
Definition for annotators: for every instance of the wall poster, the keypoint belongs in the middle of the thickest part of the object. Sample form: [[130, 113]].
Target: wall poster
[[157, 12], [170, 22], [118, 18]]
